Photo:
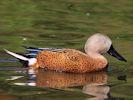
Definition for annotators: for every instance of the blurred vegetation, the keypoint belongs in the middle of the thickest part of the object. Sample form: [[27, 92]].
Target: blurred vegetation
[[62, 23]]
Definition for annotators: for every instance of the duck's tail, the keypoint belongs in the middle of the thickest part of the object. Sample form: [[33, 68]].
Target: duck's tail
[[23, 59]]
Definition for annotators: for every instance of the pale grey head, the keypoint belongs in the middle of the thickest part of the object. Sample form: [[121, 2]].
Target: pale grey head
[[101, 44]]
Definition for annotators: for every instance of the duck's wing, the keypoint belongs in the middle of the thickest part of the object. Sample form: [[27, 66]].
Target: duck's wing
[[33, 51]]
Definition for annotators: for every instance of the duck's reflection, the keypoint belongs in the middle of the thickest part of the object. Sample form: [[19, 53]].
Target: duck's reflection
[[54, 79], [99, 91], [93, 83]]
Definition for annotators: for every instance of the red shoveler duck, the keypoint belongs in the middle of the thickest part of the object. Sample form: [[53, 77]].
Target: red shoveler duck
[[71, 60]]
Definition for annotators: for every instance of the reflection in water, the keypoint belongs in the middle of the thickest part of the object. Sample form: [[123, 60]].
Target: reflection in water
[[58, 80], [93, 83], [99, 91]]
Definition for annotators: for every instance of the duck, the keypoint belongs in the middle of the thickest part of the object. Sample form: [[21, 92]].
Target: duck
[[71, 60]]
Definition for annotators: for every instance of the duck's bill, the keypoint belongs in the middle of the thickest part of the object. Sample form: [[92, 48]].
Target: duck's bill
[[115, 54]]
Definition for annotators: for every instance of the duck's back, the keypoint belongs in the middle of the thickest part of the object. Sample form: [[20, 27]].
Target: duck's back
[[67, 60]]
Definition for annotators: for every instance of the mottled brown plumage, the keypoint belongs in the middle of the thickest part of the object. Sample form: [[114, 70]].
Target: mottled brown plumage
[[69, 60]]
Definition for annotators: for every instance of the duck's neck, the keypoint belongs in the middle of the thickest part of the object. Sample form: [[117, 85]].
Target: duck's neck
[[99, 60], [95, 55]]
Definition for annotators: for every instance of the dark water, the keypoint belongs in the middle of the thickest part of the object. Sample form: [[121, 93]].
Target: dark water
[[65, 24], [19, 83], [51, 84]]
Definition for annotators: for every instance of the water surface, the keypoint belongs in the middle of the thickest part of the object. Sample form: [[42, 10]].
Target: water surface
[[65, 24]]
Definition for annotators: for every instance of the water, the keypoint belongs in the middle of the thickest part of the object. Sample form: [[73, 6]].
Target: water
[[65, 24], [18, 83], [92, 86]]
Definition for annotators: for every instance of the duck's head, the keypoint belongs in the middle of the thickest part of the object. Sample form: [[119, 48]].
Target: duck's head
[[99, 43]]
